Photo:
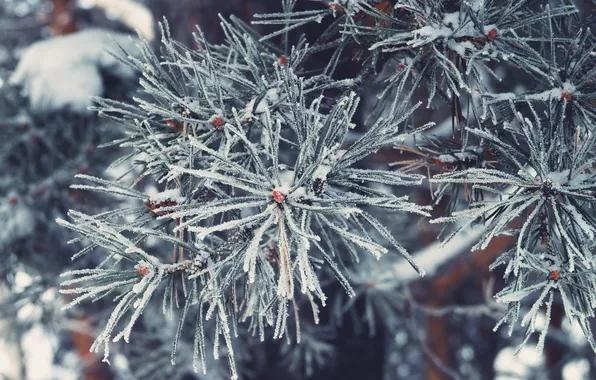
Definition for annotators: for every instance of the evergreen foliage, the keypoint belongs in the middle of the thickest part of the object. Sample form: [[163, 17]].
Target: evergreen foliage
[[270, 193]]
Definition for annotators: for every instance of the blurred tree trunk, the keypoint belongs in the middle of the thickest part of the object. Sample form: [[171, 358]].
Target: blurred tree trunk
[[442, 289], [92, 367], [63, 18], [437, 339], [555, 353]]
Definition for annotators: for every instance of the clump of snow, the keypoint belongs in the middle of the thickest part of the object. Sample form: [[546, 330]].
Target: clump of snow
[[271, 96], [338, 153], [469, 155], [167, 195], [282, 190], [448, 28], [147, 269], [286, 178], [64, 72], [488, 28], [569, 87], [262, 106], [299, 193], [461, 47], [321, 172], [454, 26], [451, 20], [331, 156], [428, 33], [475, 5], [16, 222], [554, 93], [557, 179], [131, 13]]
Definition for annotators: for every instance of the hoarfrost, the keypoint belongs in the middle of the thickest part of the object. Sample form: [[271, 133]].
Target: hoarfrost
[[64, 72]]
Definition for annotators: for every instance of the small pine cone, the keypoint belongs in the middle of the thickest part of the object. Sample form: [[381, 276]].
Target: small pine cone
[[492, 34], [143, 268], [279, 196], [218, 122], [555, 275], [336, 8], [175, 125], [153, 206]]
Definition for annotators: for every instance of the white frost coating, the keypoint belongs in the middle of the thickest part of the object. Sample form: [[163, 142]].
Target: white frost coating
[[339, 153], [569, 87], [153, 283], [331, 157], [271, 96], [429, 33], [64, 72], [453, 26], [475, 5], [282, 189], [555, 93], [250, 255], [286, 179], [461, 47], [299, 193], [580, 221], [167, 195], [471, 153], [488, 28], [350, 6], [321, 172], [449, 28], [558, 179], [262, 106], [503, 96], [160, 136], [140, 286]]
